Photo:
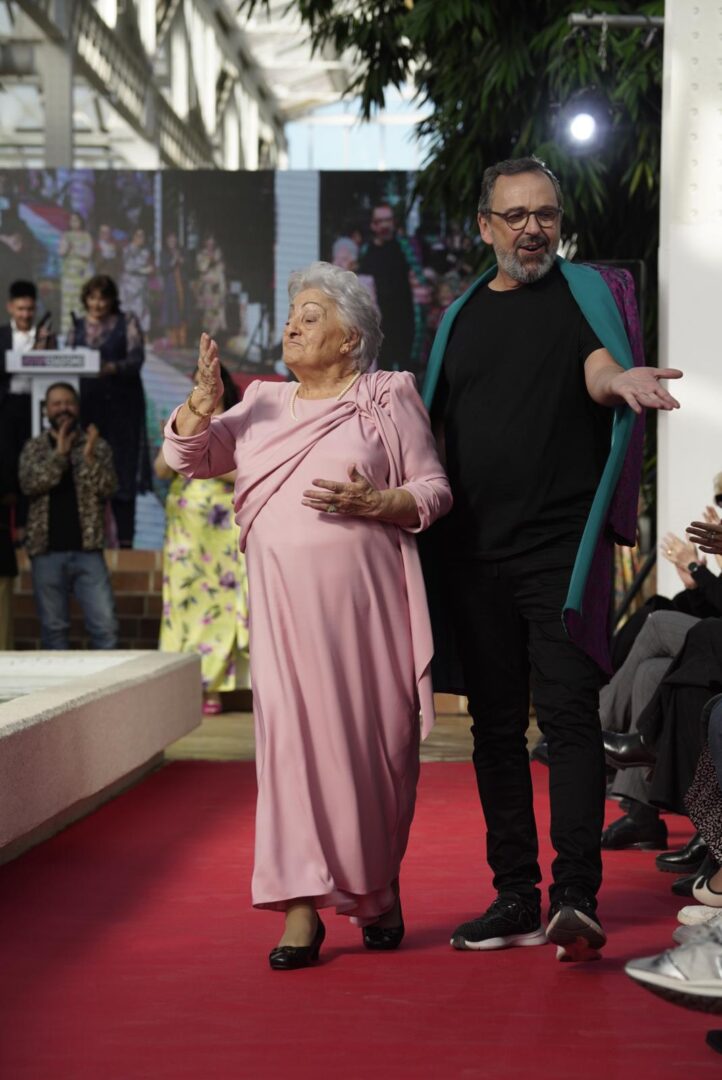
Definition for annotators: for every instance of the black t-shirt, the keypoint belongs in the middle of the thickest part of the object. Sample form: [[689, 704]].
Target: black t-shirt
[[64, 532], [525, 443]]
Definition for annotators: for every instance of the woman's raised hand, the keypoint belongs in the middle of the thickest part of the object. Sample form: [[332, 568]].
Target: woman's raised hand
[[209, 385]]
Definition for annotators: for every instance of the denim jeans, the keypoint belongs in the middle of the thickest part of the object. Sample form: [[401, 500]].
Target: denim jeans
[[57, 576]]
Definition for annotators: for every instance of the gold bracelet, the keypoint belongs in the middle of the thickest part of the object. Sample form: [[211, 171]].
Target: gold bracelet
[[196, 412]]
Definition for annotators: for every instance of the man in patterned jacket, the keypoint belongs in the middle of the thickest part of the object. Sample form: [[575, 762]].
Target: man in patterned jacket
[[67, 475]]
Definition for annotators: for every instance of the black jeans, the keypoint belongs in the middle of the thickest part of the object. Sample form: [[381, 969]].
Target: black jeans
[[510, 633]]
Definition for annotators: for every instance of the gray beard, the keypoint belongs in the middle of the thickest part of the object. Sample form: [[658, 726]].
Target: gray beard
[[512, 265]]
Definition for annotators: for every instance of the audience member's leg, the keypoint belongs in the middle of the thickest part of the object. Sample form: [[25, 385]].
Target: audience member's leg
[[626, 636], [51, 589], [91, 587], [662, 635], [634, 783]]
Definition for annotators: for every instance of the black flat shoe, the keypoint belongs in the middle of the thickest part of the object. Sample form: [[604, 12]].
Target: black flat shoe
[[627, 751], [627, 834], [685, 860], [384, 938], [292, 957]]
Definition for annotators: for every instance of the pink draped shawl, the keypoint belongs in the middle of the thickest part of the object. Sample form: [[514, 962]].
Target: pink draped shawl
[[265, 461]]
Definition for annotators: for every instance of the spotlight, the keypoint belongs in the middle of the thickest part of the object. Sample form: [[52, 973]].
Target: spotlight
[[582, 124], [582, 127]]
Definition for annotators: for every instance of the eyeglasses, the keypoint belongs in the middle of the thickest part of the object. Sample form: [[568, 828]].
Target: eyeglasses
[[517, 220]]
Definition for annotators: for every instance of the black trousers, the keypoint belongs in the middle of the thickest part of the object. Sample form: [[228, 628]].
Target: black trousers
[[511, 637]]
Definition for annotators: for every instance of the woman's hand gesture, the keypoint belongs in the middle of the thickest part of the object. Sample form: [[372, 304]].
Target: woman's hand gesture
[[209, 385], [356, 498]]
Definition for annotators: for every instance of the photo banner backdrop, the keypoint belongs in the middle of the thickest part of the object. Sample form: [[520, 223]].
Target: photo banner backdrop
[[208, 250]]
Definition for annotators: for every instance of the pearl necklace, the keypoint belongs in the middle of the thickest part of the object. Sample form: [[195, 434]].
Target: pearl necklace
[[297, 387]]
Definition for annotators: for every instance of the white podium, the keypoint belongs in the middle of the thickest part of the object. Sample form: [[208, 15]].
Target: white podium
[[47, 366]]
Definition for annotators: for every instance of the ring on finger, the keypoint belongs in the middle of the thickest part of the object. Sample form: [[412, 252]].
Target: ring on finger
[[331, 508]]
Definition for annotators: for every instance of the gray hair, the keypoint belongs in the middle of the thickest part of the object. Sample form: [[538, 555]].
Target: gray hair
[[512, 167], [344, 243], [357, 311]]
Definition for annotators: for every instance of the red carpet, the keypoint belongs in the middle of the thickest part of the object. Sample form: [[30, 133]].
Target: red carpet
[[130, 951]]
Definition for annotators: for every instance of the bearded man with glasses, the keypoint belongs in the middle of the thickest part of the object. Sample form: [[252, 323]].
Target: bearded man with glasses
[[532, 388]]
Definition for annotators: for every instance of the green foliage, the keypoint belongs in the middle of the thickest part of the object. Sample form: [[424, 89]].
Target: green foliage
[[491, 73]]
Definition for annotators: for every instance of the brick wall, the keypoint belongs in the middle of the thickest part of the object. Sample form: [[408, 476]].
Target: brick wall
[[137, 585]]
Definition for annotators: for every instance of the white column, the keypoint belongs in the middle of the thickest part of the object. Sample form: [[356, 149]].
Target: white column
[[179, 68], [146, 24], [690, 265], [56, 66], [231, 138]]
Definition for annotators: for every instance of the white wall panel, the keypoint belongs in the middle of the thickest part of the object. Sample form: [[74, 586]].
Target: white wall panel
[[690, 264]]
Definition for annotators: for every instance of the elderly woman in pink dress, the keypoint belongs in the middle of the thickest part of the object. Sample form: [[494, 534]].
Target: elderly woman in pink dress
[[335, 474]]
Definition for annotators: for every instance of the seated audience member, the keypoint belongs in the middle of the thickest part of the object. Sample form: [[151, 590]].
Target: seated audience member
[[114, 402], [67, 475], [621, 703], [204, 572], [669, 733], [660, 635]]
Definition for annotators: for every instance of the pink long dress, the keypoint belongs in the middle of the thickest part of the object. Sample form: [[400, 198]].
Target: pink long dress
[[340, 641]]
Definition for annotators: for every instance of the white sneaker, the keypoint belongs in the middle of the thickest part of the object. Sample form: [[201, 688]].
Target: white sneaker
[[685, 935], [696, 914], [690, 976], [703, 892]]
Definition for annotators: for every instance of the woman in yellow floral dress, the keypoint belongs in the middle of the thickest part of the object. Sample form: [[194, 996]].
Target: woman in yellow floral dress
[[205, 591]]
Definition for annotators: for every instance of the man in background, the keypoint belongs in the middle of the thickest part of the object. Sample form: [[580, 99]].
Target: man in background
[[390, 259], [67, 475], [23, 333]]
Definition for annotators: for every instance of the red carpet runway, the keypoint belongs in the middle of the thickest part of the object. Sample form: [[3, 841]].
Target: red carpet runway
[[130, 951]]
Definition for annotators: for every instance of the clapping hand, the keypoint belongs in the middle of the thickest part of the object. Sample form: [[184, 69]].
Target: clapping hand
[[708, 534], [67, 434], [681, 553], [92, 434], [711, 517]]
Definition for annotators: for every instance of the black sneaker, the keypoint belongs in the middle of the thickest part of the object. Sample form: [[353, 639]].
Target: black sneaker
[[509, 921], [574, 927]]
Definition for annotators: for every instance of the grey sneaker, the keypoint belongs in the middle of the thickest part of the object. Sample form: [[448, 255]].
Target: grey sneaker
[[690, 976]]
